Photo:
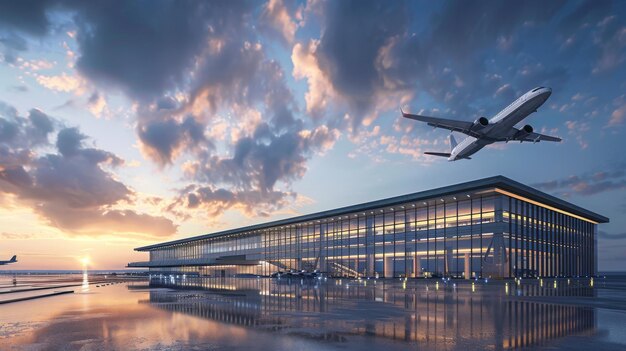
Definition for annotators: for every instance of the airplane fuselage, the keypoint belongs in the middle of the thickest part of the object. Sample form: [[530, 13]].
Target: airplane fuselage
[[500, 124], [12, 260]]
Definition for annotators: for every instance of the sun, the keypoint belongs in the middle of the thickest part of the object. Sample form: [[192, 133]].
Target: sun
[[85, 260]]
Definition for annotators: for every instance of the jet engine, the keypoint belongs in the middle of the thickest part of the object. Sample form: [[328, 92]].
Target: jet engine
[[524, 132], [480, 123]]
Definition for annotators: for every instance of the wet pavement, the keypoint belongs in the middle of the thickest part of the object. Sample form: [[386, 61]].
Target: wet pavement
[[171, 313]]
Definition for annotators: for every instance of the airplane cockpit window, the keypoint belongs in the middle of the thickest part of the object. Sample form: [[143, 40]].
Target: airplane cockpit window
[[534, 90]]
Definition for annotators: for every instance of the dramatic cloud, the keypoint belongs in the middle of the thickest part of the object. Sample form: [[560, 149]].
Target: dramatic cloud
[[369, 51], [185, 64], [209, 93], [272, 151], [146, 47], [587, 184], [267, 143], [71, 189], [349, 56]]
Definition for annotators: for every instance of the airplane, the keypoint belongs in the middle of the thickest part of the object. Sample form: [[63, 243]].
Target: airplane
[[12, 260], [483, 131]]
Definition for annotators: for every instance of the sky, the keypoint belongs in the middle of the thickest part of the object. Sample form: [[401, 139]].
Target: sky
[[125, 123]]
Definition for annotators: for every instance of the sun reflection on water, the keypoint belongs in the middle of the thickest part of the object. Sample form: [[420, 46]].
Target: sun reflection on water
[[85, 262]]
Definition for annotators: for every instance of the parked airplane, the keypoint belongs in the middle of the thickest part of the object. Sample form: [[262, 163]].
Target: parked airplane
[[483, 131], [12, 260]]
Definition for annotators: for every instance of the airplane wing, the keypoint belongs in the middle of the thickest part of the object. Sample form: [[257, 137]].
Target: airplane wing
[[450, 124], [531, 137], [536, 137]]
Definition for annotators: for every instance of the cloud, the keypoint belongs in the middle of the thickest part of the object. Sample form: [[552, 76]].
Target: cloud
[[72, 190], [147, 50], [10, 45], [18, 135], [62, 82], [349, 57], [305, 66], [587, 184], [215, 201], [618, 115], [17, 236], [371, 59], [261, 160], [276, 20], [143, 50], [26, 16], [21, 18], [163, 140], [97, 104], [267, 145], [610, 38], [578, 129], [210, 94], [184, 64]]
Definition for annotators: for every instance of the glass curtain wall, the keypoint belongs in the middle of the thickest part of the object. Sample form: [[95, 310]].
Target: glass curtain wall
[[460, 236], [548, 243]]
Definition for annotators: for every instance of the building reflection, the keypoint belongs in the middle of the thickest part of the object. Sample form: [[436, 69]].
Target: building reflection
[[430, 314]]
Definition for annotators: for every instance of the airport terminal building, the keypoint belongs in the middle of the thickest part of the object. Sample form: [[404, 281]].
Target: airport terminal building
[[492, 227]]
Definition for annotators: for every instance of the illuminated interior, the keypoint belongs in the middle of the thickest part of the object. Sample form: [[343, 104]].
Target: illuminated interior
[[487, 232]]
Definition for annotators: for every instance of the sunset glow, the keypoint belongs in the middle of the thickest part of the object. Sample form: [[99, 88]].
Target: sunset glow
[[228, 114]]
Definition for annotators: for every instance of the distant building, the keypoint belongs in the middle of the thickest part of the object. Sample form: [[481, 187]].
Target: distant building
[[492, 227]]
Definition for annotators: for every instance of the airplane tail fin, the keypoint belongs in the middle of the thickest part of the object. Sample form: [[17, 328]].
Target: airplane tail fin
[[453, 142], [440, 154], [13, 259]]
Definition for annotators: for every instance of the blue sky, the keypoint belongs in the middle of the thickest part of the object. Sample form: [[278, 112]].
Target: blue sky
[[125, 123]]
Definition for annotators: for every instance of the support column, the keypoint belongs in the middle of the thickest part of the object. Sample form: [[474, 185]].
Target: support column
[[447, 260], [369, 247], [466, 261], [417, 266], [322, 253], [299, 248], [494, 266], [388, 269]]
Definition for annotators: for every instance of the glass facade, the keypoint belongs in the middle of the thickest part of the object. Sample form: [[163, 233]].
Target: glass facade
[[470, 234]]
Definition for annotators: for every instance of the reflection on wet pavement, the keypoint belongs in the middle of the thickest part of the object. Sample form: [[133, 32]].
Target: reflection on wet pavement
[[269, 314]]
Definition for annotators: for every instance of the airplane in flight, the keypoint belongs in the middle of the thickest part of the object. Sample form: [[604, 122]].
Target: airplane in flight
[[12, 260], [483, 131]]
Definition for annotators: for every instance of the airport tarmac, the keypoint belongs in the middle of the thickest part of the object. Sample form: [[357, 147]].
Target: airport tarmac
[[179, 312]]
